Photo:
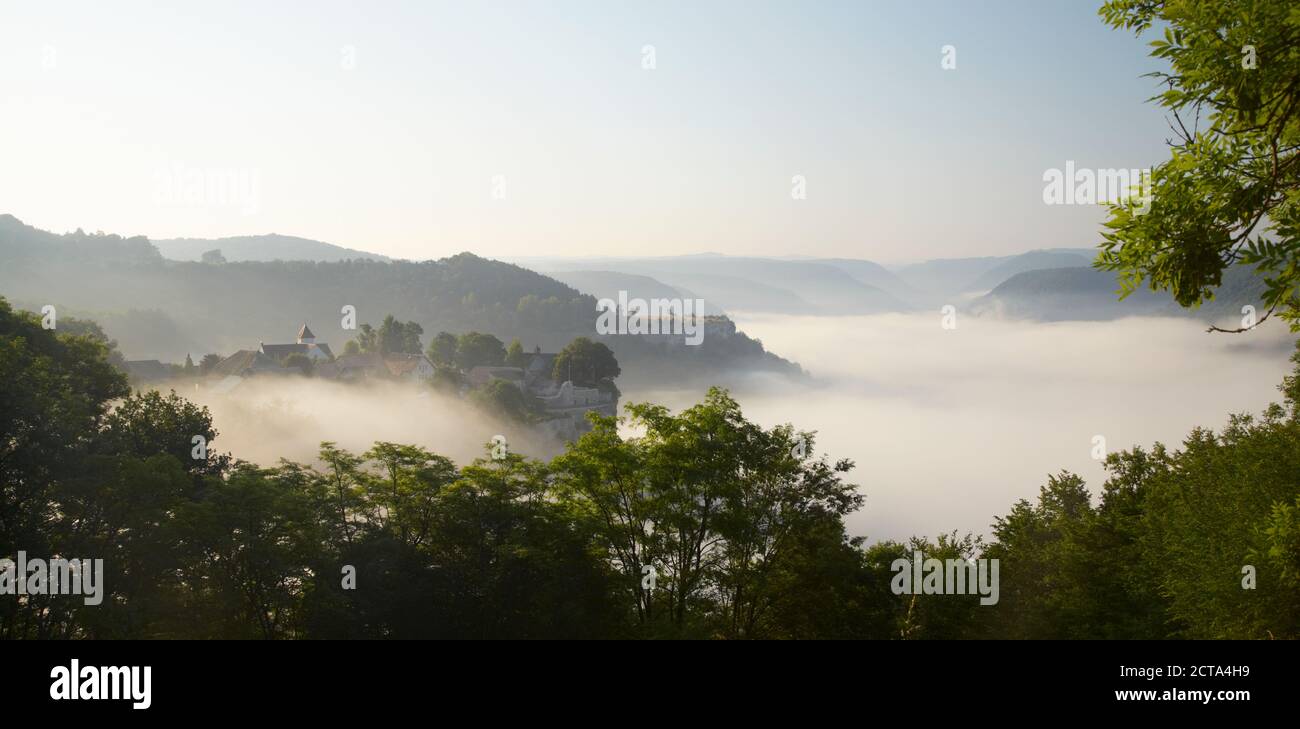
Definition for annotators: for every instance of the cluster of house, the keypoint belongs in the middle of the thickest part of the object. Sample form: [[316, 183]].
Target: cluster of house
[[269, 359], [565, 404]]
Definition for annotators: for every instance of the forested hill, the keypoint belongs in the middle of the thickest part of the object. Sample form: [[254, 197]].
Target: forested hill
[[157, 308], [1081, 294], [270, 247]]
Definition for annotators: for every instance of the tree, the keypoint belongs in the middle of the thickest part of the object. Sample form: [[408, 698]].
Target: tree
[[780, 501], [352, 347], [474, 349], [515, 564], [586, 363], [601, 474], [713, 505], [404, 499], [915, 616], [56, 387], [367, 338], [504, 399], [1214, 508], [213, 257], [447, 379], [1230, 191], [392, 337], [1043, 591], [208, 362], [92, 330], [149, 423], [1191, 543], [344, 486], [398, 338], [75, 479], [442, 350], [251, 547], [300, 362], [515, 354]]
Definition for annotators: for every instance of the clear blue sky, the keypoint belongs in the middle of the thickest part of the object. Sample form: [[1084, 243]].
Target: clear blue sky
[[101, 104]]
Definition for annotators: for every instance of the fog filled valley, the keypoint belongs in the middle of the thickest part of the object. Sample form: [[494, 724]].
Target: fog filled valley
[[509, 320], [950, 427], [448, 427], [946, 427]]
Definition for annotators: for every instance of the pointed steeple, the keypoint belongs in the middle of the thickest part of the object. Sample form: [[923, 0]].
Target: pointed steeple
[[305, 336]]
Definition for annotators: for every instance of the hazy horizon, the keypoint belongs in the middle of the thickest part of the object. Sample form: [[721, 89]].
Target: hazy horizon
[[524, 260]]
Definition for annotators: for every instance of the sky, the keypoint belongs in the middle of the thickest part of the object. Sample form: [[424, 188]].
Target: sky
[[422, 129]]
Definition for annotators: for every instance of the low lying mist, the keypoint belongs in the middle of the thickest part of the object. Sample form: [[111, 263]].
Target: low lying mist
[[950, 427], [270, 417]]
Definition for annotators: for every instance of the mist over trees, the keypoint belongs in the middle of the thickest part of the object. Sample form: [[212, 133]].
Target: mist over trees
[[392, 337], [703, 525], [696, 524]]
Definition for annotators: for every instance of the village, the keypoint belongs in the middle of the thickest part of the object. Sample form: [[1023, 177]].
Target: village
[[523, 386]]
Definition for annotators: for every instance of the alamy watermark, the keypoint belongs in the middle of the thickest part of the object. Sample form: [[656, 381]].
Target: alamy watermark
[[181, 186], [656, 316], [56, 576], [921, 576], [76, 682], [1084, 186]]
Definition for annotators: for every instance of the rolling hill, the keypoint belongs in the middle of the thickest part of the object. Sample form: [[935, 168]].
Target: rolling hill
[[1086, 294], [272, 247], [950, 278], [762, 285], [167, 308]]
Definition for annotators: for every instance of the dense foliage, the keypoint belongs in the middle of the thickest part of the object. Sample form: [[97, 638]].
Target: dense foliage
[[1230, 191], [586, 363]]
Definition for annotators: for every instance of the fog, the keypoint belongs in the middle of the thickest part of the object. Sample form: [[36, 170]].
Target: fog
[[270, 417], [950, 427]]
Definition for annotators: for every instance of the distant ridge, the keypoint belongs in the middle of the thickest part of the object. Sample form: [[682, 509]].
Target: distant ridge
[[1086, 294], [270, 247], [165, 309], [954, 276], [764, 285]]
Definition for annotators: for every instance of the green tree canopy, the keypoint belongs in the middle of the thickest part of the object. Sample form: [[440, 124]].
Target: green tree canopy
[[442, 350], [392, 336], [474, 349], [515, 354], [586, 363], [56, 388], [1230, 191], [396, 337], [505, 399]]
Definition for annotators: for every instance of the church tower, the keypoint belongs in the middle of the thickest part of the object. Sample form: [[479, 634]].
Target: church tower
[[305, 336]]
